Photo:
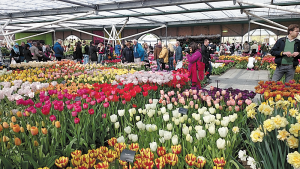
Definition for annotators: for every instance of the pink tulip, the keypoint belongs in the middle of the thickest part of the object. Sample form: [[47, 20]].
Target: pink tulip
[[230, 108], [70, 106], [179, 96], [175, 103], [240, 95], [74, 113], [78, 109], [106, 104], [240, 102], [111, 97], [218, 100], [104, 116], [228, 103], [38, 105], [211, 88], [85, 105], [164, 102], [187, 94], [191, 103], [166, 96], [162, 92], [150, 101], [106, 99], [218, 93], [173, 100], [172, 92], [237, 108], [169, 94], [52, 118], [248, 102], [232, 102], [223, 92], [84, 96], [196, 106], [194, 92], [215, 102], [88, 99], [93, 102], [76, 120], [208, 103], [195, 97], [204, 97], [236, 97], [178, 86], [67, 102], [123, 102], [220, 107]]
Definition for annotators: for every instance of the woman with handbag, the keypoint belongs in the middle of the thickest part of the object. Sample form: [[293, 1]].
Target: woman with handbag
[[164, 56], [15, 53], [196, 66]]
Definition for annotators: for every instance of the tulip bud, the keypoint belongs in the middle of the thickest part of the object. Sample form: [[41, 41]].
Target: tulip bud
[[11, 125], [5, 139], [8, 145], [43, 123], [35, 143], [130, 118], [57, 124], [190, 128], [53, 122], [13, 119], [27, 113], [209, 148], [22, 129], [200, 122], [190, 120], [217, 122], [195, 149], [37, 124], [28, 126]]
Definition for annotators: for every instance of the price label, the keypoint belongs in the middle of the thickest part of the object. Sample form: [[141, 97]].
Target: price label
[[127, 155], [77, 99], [182, 110]]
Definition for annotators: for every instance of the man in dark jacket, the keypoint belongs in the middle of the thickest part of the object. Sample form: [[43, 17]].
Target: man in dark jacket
[[157, 51], [21, 49], [206, 57], [58, 49], [286, 51], [178, 52], [93, 53]]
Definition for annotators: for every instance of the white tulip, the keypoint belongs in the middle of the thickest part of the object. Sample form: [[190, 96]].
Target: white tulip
[[197, 117], [159, 113], [190, 128], [148, 106], [185, 117], [175, 140], [223, 131], [206, 113], [149, 127], [176, 121], [191, 140], [134, 137], [163, 110], [218, 116], [140, 110], [153, 146], [131, 114], [185, 130], [113, 118], [166, 117], [155, 101], [170, 106], [121, 112], [217, 106], [117, 125], [162, 140], [121, 139], [181, 119], [221, 144], [139, 125], [206, 119], [138, 118], [169, 126], [144, 111], [197, 127], [153, 127], [175, 113], [212, 110], [150, 113], [153, 106], [217, 122], [224, 123], [130, 136], [127, 129], [231, 118], [201, 133], [132, 110], [188, 137], [167, 135], [201, 111], [212, 129], [161, 133]]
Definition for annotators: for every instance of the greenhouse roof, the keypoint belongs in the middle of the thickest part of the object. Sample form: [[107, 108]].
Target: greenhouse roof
[[31, 14]]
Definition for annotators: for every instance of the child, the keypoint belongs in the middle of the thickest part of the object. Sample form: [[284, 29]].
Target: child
[[251, 61]]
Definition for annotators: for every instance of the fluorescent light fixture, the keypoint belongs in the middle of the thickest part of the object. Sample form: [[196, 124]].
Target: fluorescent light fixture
[[224, 31]]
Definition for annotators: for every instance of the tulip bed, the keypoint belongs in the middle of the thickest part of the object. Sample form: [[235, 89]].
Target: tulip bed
[[67, 115]]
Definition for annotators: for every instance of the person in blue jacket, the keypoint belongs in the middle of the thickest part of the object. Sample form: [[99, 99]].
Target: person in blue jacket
[[58, 49], [118, 49], [138, 51], [178, 52]]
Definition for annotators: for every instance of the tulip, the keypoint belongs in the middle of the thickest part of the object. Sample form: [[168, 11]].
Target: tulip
[[62, 162], [57, 124], [230, 108], [74, 113], [103, 116], [117, 125], [106, 104], [176, 149], [137, 118], [18, 141], [76, 161], [121, 112], [5, 139], [85, 105], [175, 140], [121, 139], [221, 144], [34, 130], [160, 163], [113, 118], [190, 159], [76, 120], [91, 111], [5, 125], [35, 143], [16, 128], [172, 159], [19, 114], [200, 162], [223, 131], [13, 119], [219, 162], [52, 118], [44, 131]]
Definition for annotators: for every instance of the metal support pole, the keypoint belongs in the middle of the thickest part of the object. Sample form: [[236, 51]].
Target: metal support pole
[[269, 6], [267, 20], [123, 27], [144, 32], [50, 23], [34, 35], [268, 26], [249, 32], [166, 35]]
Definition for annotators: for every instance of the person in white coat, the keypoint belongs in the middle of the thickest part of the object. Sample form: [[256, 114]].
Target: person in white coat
[[251, 61]]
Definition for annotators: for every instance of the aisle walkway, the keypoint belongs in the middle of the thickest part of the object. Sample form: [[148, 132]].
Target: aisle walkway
[[239, 79]]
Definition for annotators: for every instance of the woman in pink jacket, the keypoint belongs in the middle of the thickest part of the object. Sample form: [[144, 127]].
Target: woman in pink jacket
[[196, 66]]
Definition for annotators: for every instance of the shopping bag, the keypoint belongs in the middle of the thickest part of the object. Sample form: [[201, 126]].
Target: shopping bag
[[178, 65]]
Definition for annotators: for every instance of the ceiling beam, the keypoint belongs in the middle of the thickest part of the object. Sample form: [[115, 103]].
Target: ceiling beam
[[104, 7], [154, 13], [80, 4]]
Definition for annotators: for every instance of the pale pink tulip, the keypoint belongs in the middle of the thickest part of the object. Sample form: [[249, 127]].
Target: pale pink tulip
[[230, 108], [223, 92], [173, 100], [150, 101], [237, 108], [218, 93], [196, 106]]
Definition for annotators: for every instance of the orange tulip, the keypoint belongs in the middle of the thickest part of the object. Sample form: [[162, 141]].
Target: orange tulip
[[16, 128], [35, 143], [13, 119], [19, 114], [57, 124], [5, 139], [17, 141], [147, 163], [44, 131], [34, 130], [1, 128], [161, 151]]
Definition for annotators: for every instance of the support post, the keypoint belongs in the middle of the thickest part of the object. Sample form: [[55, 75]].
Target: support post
[[249, 32], [166, 35]]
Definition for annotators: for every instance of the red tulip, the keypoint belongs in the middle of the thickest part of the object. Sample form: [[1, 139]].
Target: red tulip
[[38, 105], [91, 111]]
